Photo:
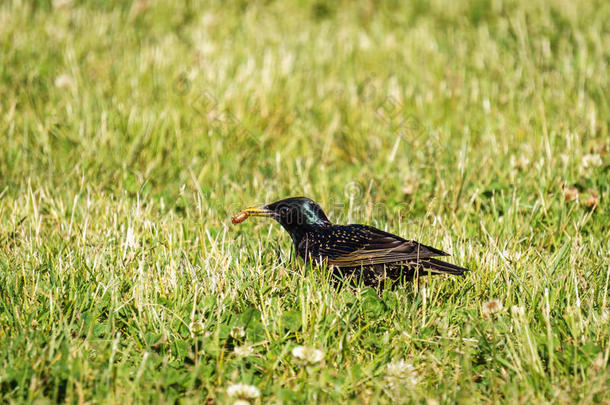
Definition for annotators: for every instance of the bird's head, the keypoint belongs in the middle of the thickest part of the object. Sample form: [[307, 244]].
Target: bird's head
[[298, 215]]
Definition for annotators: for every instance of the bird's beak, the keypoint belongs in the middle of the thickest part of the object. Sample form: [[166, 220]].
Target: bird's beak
[[254, 212], [259, 212]]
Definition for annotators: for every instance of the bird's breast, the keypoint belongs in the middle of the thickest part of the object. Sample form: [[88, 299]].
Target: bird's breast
[[309, 247]]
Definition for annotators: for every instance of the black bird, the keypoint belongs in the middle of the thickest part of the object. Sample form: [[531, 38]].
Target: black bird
[[370, 254]]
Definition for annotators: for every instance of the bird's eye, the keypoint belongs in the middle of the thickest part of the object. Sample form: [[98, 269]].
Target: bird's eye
[[284, 211]]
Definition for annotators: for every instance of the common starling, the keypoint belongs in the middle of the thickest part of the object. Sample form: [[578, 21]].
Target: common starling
[[370, 254]]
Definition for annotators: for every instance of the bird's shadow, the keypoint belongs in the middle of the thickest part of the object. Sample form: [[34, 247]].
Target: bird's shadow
[[358, 278]]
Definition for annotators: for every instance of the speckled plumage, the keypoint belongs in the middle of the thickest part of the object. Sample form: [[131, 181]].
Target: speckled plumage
[[370, 254]]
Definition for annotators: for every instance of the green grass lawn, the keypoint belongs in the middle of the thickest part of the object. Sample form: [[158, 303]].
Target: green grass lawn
[[130, 133]]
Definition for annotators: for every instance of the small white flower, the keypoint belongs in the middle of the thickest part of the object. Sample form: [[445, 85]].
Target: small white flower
[[486, 105], [208, 19], [491, 307], [65, 81], [241, 402], [308, 354], [400, 372], [364, 41], [399, 369], [521, 160], [238, 332], [591, 160], [243, 351], [243, 391]]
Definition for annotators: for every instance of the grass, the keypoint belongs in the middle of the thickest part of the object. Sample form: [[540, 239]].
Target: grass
[[131, 132]]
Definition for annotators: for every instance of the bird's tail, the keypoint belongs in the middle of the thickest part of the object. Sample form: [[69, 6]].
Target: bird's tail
[[436, 266]]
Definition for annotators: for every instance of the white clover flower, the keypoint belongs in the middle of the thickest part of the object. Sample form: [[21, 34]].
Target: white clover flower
[[306, 354], [196, 328], [243, 391], [491, 307], [400, 372], [238, 332], [243, 351], [399, 369]]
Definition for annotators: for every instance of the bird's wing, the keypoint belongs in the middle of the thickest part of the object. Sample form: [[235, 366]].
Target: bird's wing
[[360, 245]]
